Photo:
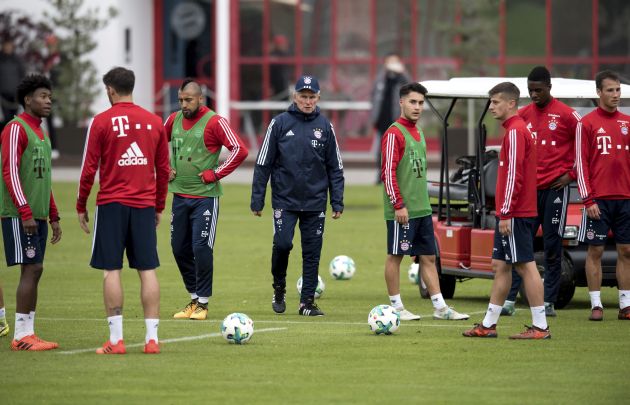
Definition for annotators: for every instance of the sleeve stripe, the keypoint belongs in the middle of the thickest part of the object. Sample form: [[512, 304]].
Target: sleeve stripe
[[511, 175], [578, 162], [577, 116], [13, 165], [85, 147], [389, 157], [233, 142], [262, 155], [336, 147]]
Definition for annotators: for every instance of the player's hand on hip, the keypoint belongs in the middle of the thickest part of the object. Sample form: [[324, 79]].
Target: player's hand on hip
[[83, 221], [30, 227], [593, 211], [336, 215], [402, 216], [257, 213], [561, 181], [56, 232], [505, 227]]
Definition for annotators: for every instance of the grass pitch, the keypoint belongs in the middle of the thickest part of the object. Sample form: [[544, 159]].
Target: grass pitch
[[293, 359]]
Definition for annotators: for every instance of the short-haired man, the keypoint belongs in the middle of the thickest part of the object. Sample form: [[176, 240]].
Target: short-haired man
[[516, 218], [301, 155], [603, 166], [554, 124], [127, 145], [406, 203], [197, 135], [27, 202]]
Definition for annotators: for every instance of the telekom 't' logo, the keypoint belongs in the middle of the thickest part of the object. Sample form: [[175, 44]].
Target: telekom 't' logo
[[603, 143], [120, 124]]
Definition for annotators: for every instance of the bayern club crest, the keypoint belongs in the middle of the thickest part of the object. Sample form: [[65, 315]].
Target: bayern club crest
[[590, 235], [317, 132], [624, 130], [553, 124], [307, 80], [404, 246], [30, 252], [277, 213]]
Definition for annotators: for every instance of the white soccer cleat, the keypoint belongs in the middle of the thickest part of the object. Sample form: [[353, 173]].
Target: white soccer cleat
[[449, 314], [408, 316]]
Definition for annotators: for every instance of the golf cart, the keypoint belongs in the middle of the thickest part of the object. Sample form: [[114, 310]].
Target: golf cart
[[464, 212]]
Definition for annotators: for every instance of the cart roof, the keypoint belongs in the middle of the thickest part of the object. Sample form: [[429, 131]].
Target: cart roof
[[477, 87]]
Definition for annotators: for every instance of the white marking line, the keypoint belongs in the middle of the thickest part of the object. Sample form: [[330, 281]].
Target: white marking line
[[174, 340], [425, 318]]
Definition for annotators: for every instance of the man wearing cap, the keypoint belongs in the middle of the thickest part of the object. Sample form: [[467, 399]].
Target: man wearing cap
[[301, 155]]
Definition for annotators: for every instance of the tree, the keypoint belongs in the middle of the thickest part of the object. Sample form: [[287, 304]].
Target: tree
[[77, 82]]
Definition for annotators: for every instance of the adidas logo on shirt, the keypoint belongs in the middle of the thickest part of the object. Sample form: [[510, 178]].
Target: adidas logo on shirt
[[133, 157], [207, 213], [557, 201], [290, 133], [601, 130]]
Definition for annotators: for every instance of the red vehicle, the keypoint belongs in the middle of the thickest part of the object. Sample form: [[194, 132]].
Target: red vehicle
[[464, 212]]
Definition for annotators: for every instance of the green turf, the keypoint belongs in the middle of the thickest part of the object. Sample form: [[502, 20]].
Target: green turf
[[333, 359]]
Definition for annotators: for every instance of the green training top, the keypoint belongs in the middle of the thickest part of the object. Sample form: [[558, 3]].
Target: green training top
[[411, 177], [190, 157], [34, 175]]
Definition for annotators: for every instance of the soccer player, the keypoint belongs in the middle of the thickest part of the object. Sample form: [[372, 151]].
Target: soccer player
[[516, 218], [4, 326], [27, 202], [554, 124], [406, 203], [301, 155], [603, 166], [127, 145], [195, 175]]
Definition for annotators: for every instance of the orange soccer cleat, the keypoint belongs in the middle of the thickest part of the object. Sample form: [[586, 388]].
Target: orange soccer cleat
[[481, 331], [32, 343], [109, 348], [533, 332], [151, 347]]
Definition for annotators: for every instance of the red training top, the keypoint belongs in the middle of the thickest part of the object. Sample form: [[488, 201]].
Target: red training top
[[602, 156], [516, 195], [128, 146], [554, 127]]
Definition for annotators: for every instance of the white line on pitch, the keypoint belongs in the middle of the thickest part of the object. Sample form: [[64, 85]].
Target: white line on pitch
[[174, 340]]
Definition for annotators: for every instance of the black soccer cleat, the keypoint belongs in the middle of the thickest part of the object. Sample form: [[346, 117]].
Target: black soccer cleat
[[310, 309], [277, 303]]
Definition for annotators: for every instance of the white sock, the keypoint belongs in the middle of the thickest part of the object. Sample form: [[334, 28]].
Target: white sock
[[31, 323], [596, 300], [193, 296], [396, 302], [203, 300], [438, 301], [21, 326], [152, 330], [509, 303], [539, 319], [115, 328], [624, 298], [3, 312], [492, 315]]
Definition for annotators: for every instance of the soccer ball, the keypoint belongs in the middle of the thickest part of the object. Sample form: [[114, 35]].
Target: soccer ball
[[237, 328], [319, 290], [342, 267], [383, 320], [414, 273]]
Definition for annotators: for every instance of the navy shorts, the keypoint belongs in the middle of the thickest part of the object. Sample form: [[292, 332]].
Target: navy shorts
[[118, 228], [20, 248], [614, 215], [518, 247], [415, 238]]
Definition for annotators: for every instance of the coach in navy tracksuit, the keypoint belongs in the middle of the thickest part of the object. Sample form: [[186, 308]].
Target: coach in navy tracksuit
[[301, 155]]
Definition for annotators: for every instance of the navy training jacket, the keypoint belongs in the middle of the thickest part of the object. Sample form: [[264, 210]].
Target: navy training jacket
[[301, 155]]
